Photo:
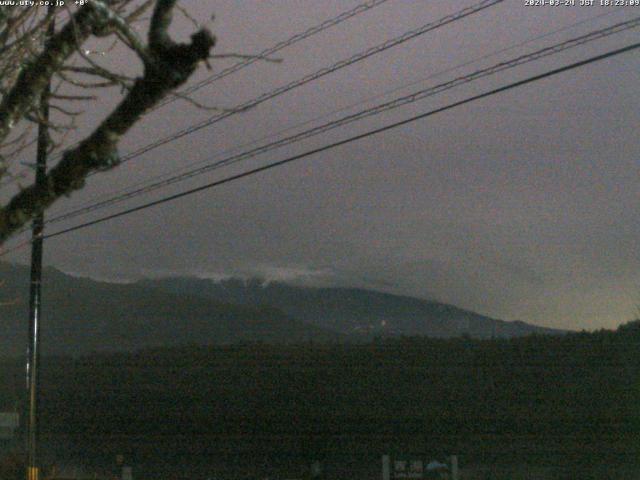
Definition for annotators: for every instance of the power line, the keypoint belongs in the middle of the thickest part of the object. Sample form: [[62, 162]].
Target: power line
[[465, 12], [393, 104], [331, 22], [447, 85], [278, 46], [108, 196], [308, 153], [405, 37], [409, 35]]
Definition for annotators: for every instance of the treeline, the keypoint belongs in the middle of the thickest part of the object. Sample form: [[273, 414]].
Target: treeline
[[540, 397]]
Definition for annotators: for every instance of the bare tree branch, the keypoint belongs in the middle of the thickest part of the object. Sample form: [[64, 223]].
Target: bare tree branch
[[34, 77], [167, 65], [98, 71]]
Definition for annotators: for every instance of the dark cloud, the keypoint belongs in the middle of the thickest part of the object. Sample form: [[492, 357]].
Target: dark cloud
[[520, 205]]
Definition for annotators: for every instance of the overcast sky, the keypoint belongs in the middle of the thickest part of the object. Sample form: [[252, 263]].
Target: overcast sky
[[522, 205]]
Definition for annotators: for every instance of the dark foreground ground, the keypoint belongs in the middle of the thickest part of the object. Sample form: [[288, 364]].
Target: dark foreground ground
[[537, 407], [208, 457]]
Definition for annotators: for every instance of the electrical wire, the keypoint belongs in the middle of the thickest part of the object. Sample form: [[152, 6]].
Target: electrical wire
[[390, 105], [385, 128], [250, 104], [277, 47], [331, 22], [409, 35], [168, 175]]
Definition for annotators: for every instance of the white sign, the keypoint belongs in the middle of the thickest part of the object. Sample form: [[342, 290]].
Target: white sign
[[127, 473], [9, 420], [408, 469]]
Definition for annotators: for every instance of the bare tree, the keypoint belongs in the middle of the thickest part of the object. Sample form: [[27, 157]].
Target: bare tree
[[28, 65]]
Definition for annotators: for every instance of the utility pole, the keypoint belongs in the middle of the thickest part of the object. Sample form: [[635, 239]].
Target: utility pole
[[33, 348]]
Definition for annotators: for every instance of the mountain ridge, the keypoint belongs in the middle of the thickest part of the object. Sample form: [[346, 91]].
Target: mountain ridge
[[81, 315], [126, 317], [351, 310]]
